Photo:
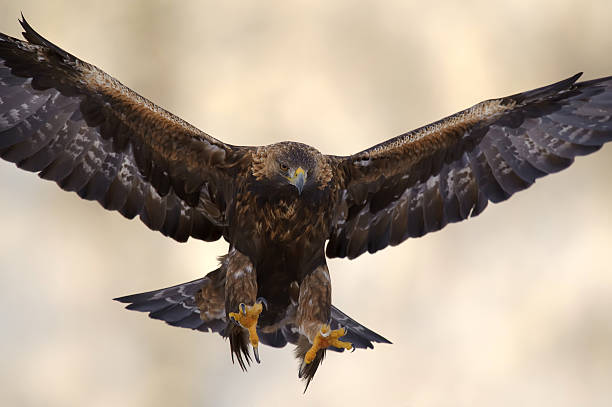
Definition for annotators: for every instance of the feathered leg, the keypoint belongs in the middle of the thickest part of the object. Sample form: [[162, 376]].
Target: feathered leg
[[313, 315], [241, 290]]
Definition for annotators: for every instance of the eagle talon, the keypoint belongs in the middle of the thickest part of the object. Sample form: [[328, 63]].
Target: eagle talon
[[262, 300], [247, 317], [256, 353], [326, 338]]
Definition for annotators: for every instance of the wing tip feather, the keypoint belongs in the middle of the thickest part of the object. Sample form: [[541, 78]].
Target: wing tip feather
[[546, 91], [33, 37]]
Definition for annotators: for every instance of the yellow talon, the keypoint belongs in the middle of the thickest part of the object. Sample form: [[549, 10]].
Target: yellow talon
[[326, 338], [247, 318]]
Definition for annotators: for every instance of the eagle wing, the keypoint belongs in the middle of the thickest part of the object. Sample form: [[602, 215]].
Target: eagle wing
[[76, 125], [447, 171]]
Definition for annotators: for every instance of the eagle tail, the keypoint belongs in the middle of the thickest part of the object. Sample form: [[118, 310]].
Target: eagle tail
[[199, 305], [178, 305]]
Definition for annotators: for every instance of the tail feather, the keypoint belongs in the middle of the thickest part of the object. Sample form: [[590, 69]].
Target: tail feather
[[199, 305], [277, 339], [357, 334], [177, 305]]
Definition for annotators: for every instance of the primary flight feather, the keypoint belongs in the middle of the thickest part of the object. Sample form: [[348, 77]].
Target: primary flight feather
[[277, 205]]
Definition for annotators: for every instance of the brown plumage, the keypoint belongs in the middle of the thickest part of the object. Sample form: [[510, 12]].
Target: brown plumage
[[277, 205]]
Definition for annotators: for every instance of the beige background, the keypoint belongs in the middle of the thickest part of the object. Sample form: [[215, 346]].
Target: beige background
[[513, 308]]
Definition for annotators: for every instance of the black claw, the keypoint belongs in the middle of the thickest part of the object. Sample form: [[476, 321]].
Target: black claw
[[242, 308], [256, 353], [263, 301]]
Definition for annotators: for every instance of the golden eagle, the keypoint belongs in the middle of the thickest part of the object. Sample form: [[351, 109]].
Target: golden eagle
[[277, 205]]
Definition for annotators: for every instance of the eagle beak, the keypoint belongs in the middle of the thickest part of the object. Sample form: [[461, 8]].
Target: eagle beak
[[298, 179]]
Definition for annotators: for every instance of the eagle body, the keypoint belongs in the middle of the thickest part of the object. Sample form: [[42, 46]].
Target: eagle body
[[282, 231], [283, 208]]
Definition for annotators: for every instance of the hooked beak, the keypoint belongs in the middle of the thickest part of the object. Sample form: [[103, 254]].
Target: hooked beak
[[298, 179]]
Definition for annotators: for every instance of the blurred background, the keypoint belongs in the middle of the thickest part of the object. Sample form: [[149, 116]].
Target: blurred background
[[511, 308]]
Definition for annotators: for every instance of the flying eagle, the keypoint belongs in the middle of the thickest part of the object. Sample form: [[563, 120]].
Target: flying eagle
[[277, 205]]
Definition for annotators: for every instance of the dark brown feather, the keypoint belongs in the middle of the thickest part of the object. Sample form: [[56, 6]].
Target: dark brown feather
[[79, 127], [447, 171], [205, 299], [239, 345], [306, 372]]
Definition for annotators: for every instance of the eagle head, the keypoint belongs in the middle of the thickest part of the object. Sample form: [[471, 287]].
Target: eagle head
[[291, 165]]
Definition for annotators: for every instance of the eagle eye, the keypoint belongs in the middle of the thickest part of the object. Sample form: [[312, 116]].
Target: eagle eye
[[284, 167]]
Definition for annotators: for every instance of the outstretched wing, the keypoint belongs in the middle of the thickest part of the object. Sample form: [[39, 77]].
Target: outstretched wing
[[74, 124], [420, 181]]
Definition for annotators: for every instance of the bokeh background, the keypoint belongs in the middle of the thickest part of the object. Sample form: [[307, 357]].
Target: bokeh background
[[511, 308]]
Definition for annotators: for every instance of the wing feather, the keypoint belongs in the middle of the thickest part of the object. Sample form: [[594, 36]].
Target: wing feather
[[75, 125], [445, 172]]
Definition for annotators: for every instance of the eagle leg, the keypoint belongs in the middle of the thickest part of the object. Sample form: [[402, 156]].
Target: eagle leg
[[312, 318], [247, 317], [326, 338], [241, 289]]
